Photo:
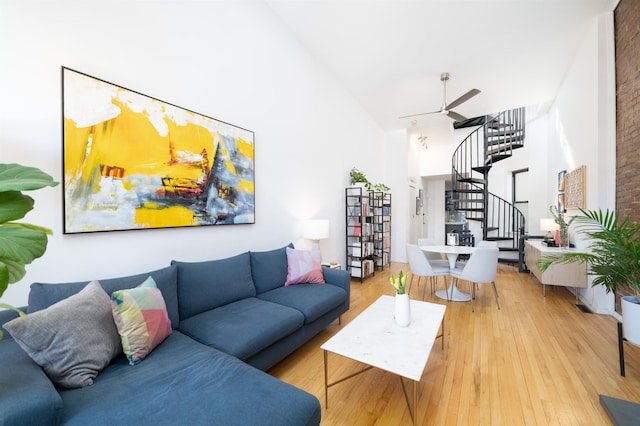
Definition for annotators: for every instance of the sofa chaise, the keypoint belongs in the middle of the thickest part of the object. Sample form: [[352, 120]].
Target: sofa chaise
[[231, 320]]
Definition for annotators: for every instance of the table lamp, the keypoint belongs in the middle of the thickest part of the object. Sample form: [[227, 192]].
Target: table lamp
[[549, 225], [316, 230]]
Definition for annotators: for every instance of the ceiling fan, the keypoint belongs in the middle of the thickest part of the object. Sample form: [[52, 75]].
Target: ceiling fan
[[447, 109]]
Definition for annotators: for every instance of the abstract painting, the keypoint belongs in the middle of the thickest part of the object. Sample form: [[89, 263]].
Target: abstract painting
[[134, 162]]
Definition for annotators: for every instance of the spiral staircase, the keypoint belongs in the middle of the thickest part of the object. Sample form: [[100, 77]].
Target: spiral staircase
[[494, 139]]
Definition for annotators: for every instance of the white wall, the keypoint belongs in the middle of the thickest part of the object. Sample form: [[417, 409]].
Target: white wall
[[231, 60], [582, 132]]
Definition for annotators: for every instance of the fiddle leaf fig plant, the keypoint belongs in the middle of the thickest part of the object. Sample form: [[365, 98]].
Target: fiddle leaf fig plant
[[20, 243]]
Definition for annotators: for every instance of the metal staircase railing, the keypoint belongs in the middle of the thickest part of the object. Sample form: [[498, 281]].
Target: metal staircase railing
[[493, 140]]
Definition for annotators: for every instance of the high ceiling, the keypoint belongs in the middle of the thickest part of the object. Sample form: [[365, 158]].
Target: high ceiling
[[389, 54]]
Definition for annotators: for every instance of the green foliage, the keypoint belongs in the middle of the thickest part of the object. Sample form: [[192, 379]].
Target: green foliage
[[20, 243], [400, 284], [613, 254], [381, 187], [356, 176]]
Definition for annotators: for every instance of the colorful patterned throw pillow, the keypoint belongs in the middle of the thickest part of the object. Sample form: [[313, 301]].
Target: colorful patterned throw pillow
[[303, 267], [141, 317]]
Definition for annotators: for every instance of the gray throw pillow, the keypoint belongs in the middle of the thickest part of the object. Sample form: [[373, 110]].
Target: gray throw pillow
[[72, 340]]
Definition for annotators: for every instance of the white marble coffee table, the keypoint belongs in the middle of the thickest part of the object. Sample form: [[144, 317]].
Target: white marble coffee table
[[373, 338]]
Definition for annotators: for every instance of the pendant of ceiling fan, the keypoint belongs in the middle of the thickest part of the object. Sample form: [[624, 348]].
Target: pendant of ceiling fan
[[446, 109]]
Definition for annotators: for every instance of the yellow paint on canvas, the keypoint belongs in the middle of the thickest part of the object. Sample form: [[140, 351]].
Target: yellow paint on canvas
[[152, 216], [246, 185], [112, 143], [245, 148]]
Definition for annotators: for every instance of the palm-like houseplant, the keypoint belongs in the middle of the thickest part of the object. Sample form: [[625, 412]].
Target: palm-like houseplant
[[20, 243], [613, 256]]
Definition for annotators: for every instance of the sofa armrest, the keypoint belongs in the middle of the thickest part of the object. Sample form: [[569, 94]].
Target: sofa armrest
[[27, 396], [339, 278], [7, 315]]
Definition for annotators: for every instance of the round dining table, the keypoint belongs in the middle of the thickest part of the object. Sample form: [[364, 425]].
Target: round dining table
[[452, 293]]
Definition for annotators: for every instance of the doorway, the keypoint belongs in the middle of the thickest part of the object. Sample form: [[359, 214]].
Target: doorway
[[520, 193]]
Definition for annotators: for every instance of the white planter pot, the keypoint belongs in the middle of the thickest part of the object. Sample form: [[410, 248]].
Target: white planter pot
[[402, 313], [631, 319]]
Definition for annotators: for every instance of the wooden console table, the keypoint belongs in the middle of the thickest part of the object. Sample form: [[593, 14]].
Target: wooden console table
[[567, 275]]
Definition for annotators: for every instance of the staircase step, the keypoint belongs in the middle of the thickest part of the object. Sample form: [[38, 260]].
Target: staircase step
[[482, 169], [506, 141], [469, 200], [505, 131], [470, 209], [497, 157], [469, 191], [499, 238], [473, 180], [499, 125]]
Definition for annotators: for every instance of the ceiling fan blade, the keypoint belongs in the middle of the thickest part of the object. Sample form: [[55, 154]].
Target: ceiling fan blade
[[422, 113], [456, 116], [464, 98]]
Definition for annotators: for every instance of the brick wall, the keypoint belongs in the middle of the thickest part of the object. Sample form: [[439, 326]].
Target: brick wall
[[627, 40]]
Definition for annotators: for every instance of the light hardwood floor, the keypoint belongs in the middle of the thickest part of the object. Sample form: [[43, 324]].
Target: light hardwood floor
[[537, 361]]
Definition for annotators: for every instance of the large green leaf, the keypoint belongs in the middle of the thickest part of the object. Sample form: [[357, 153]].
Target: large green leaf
[[14, 177], [14, 205], [21, 244], [4, 278]]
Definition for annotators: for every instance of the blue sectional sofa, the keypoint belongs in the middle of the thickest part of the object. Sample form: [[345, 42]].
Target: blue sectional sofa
[[232, 319]]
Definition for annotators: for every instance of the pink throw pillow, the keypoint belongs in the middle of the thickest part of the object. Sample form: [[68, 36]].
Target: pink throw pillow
[[304, 267]]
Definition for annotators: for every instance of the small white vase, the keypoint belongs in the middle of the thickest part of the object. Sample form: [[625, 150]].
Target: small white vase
[[402, 313]]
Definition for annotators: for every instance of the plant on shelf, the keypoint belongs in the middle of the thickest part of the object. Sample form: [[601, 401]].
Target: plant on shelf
[[381, 187], [356, 176], [400, 284], [613, 256], [558, 217], [20, 243]]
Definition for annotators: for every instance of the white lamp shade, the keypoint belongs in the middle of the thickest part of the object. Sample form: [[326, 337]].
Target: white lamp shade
[[315, 229], [548, 224]]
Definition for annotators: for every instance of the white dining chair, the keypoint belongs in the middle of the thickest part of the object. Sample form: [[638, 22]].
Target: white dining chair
[[435, 259], [481, 268], [421, 266]]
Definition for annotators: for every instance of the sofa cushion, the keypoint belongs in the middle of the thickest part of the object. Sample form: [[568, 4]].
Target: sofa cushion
[[243, 328], [43, 295], [27, 396], [141, 318], [312, 300], [73, 340], [269, 268], [303, 266], [184, 382], [206, 285]]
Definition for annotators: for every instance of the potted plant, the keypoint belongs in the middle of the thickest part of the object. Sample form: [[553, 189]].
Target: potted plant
[[21, 243], [402, 311], [558, 218], [613, 256], [357, 177]]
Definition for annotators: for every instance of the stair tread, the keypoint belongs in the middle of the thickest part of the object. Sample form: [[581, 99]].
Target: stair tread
[[469, 191], [472, 180], [516, 141], [505, 132]]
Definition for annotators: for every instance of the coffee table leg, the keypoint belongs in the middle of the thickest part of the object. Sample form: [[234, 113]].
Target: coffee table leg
[[415, 403], [326, 386], [412, 403]]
